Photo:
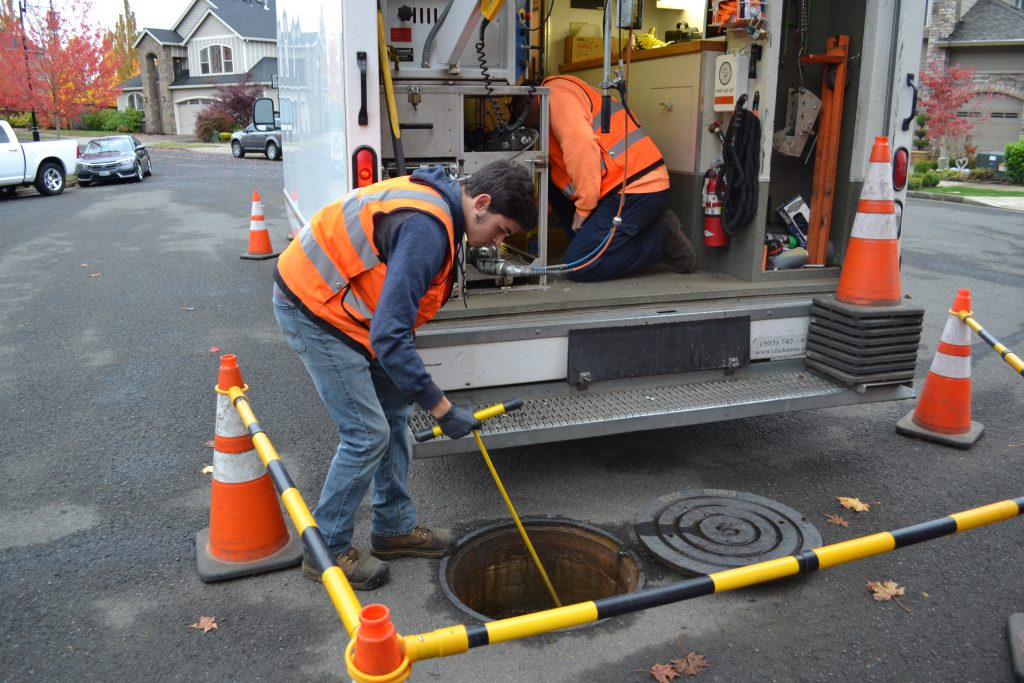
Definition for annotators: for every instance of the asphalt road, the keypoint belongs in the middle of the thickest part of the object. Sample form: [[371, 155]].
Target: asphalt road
[[114, 297]]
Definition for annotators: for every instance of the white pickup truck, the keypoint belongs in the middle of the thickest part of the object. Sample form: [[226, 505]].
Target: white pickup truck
[[43, 164]]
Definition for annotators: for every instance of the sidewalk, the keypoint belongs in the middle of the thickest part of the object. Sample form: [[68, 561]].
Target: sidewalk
[[1008, 203]]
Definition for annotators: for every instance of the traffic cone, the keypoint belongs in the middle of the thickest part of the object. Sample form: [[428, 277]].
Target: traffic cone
[[247, 532], [870, 275], [375, 654], [943, 413], [259, 238], [294, 222]]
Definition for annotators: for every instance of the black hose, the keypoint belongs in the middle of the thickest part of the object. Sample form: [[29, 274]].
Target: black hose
[[737, 186]]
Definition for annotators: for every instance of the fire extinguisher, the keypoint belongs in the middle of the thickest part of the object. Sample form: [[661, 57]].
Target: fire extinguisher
[[714, 235]]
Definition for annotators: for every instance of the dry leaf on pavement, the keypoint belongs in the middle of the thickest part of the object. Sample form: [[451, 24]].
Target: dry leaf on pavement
[[887, 590], [663, 673], [214, 349], [837, 520], [208, 444], [207, 470], [691, 665], [854, 504], [94, 274], [207, 624]]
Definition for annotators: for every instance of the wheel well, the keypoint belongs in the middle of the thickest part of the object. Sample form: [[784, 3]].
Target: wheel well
[[55, 160]]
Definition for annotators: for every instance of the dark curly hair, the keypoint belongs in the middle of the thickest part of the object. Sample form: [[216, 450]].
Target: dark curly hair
[[511, 189]]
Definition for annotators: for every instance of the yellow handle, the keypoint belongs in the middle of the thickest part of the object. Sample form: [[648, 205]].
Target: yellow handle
[[482, 414], [489, 8]]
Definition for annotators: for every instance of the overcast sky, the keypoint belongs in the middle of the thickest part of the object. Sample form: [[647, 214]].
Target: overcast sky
[[148, 13]]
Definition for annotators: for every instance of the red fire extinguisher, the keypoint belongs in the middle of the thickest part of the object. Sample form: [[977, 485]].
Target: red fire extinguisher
[[714, 235]]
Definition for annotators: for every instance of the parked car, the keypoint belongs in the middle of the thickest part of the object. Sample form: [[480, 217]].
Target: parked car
[[43, 164], [115, 156], [257, 139]]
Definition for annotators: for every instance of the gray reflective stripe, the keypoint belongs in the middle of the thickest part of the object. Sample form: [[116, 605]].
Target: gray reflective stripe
[[596, 123], [323, 264], [352, 203], [569, 190], [352, 301], [631, 138]]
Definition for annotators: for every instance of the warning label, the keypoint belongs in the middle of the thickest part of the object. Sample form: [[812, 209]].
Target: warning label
[[404, 54], [401, 35]]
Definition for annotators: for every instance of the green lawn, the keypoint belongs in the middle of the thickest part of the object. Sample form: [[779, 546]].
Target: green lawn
[[974, 191]]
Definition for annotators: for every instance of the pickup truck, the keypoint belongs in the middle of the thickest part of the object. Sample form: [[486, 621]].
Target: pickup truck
[[43, 164]]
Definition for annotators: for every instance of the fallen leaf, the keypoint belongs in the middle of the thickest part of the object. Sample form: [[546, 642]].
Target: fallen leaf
[[208, 444], [207, 624], [94, 274], [663, 673], [854, 504], [188, 308], [691, 665], [207, 470], [214, 349], [907, 296], [837, 520], [924, 594], [83, 265], [1015, 445], [885, 590]]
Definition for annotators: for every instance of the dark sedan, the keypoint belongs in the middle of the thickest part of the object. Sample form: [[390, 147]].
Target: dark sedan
[[116, 156]]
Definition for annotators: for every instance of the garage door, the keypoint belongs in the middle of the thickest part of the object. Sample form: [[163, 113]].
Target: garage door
[[185, 113], [1002, 125]]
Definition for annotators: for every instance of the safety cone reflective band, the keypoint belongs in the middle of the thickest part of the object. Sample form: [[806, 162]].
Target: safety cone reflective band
[[259, 238], [871, 268], [375, 653], [247, 532], [943, 412]]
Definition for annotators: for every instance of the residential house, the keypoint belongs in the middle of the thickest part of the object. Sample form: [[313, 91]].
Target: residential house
[[986, 36], [211, 44]]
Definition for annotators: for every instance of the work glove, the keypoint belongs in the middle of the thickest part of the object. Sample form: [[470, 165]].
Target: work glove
[[458, 422]]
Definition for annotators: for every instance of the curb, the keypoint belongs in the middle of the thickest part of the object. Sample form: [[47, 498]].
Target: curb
[[958, 199], [936, 197]]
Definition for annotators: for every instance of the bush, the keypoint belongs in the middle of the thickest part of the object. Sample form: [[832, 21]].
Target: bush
[[225, 136], [951, 174], [914, 183], [920, 143], [97, 119], [1015, 161], [22, 120], [930, 179], [210, 118], [982, 174], [922, 167], [128, 121]]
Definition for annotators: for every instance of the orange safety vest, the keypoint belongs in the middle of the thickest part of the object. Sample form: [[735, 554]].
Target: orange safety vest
[[644, 156], [334, 267]]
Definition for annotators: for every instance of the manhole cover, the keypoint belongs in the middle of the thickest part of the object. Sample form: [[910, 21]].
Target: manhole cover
[[491, 575], [703, 531]]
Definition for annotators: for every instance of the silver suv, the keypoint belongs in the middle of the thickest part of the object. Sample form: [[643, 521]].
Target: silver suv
[[255, 138]]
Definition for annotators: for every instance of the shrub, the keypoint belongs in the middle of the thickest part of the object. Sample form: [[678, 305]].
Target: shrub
[[982, 174], [951, 174], [930, 179], [920, 143], [22, 120], [1015, 161], [914, 182], [97, 119], [922, 167], [237, 100], [210, 118], [225, 135]]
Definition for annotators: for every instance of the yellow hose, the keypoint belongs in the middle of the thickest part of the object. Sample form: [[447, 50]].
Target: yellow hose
[[385, 70]]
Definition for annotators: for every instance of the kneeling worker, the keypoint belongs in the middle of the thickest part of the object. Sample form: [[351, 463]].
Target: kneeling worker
[[349, 291], [587, 172]]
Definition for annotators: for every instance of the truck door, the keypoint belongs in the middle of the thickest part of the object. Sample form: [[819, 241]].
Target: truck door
[[12, 160]]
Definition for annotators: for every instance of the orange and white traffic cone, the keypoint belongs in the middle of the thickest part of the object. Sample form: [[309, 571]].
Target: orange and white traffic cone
[[375, 652], [247, 532], [259, 238], [870, 275], [943, 413]]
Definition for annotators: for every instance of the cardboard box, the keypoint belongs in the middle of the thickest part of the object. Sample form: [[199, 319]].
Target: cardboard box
[[579, 48]]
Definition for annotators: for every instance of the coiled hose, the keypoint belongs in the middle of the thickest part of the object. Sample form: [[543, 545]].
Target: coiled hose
[[741, 162]]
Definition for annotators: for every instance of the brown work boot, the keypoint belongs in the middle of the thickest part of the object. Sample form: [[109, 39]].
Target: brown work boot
[[677, 251], [420, 542], [364, 572]]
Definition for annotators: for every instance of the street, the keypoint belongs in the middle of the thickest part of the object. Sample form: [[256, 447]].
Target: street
[[119, 300]]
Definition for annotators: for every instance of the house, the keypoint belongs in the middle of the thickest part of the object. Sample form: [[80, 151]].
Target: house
[[213, 43], [986, 36]]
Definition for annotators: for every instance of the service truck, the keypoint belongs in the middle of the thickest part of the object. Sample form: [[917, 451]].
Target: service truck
[[43, 164], [657, 349]]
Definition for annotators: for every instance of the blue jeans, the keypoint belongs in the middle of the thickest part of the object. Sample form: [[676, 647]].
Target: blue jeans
[[636, 244], [372, 416]]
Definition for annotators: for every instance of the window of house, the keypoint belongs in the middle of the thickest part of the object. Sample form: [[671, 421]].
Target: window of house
[[216, 59], [135, 101]]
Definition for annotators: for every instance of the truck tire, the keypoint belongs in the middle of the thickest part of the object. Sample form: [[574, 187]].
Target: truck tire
[[273, 151], [50, 178]]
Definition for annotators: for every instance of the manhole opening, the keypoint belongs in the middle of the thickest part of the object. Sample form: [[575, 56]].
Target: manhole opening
[[491, 575]]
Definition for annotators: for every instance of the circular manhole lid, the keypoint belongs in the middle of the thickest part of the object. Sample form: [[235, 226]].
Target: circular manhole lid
[[703, 531]]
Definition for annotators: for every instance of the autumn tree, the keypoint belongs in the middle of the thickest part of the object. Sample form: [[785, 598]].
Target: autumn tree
[[946, 91], [67, 69], [122, 38]]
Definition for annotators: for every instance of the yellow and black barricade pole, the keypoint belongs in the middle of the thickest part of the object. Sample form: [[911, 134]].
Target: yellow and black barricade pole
[[457, 639], [338, 588], [1012, 359]]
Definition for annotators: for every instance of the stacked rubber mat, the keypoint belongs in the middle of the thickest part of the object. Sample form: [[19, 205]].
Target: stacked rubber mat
[[864, 344]]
